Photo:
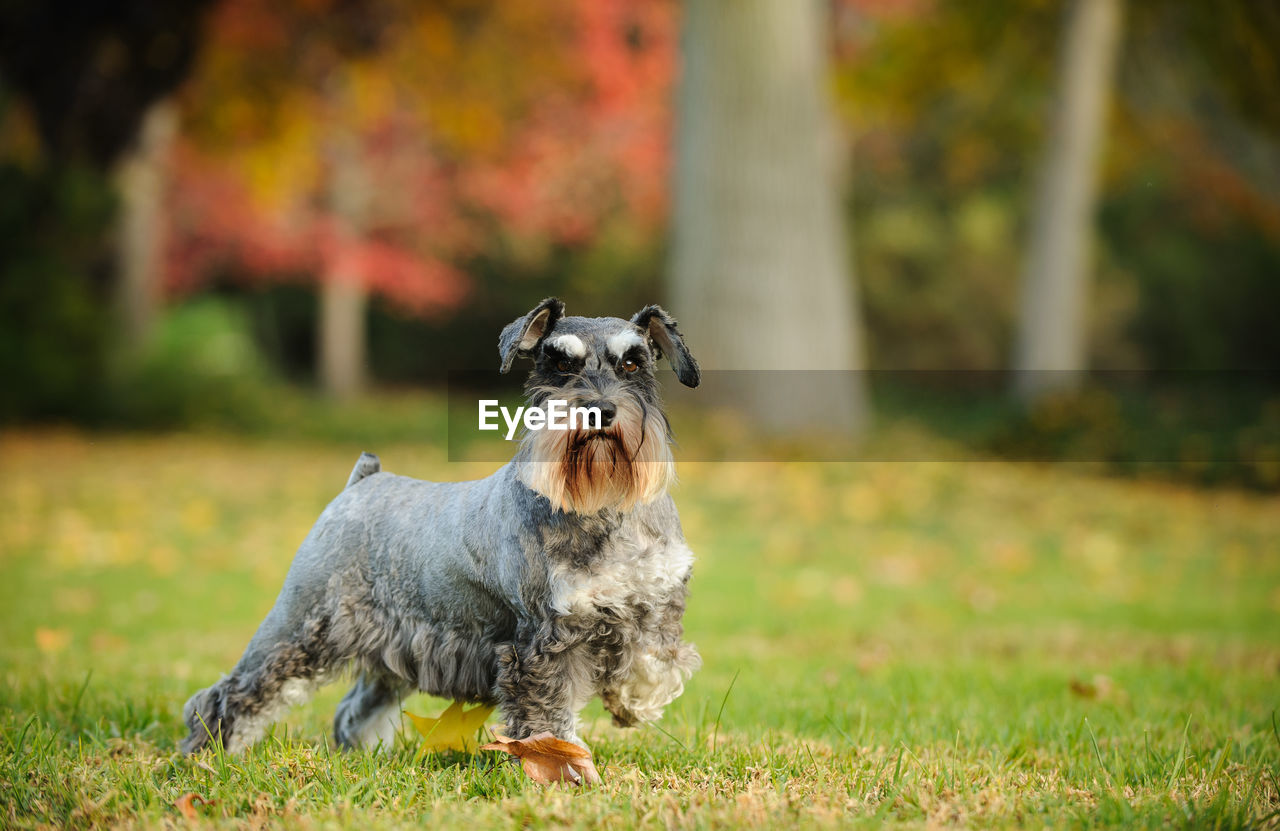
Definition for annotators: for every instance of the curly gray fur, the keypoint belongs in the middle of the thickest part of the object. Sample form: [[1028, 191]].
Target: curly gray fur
[[478, 591]]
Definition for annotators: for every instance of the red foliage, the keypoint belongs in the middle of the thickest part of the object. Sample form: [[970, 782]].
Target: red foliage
[[217, 228], [455, 155]]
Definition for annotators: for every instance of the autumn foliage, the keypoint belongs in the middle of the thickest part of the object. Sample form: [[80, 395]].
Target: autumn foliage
[[474, 125]]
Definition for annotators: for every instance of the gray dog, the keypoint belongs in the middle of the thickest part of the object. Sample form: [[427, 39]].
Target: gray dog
[[560, 577]]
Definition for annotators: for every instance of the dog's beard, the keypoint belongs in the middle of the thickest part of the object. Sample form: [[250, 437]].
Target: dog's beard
[[586, 471]]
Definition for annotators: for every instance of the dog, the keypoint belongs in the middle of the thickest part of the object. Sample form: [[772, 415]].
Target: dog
[[560, 577]]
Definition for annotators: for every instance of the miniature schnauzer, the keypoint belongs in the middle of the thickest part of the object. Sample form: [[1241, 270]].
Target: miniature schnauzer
[[560, 577]]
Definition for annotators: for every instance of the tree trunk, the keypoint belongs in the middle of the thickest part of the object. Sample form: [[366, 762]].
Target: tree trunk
[[343, 305], [343, 296], [760, 272], [1051, 348], [141, 178]]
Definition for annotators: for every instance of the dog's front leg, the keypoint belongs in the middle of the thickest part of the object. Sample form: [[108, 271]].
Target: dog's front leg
[[656, 678], [660, 663], [542, 684]]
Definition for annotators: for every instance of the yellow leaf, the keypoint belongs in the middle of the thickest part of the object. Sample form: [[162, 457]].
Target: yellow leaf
[[52, 640], [455, 729]]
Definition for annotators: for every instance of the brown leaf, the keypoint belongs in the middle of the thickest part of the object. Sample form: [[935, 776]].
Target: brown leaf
[[1083, 689], [1099, 687], [546, 759], [186, 804]]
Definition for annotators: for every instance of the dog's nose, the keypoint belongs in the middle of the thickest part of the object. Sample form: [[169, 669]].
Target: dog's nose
[[608, 410]]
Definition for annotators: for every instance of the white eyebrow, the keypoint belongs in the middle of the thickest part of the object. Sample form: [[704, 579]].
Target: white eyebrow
[[621, 342], [570, 345]]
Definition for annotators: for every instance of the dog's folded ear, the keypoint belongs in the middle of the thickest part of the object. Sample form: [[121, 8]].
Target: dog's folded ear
[[520, 336], [665, 339]]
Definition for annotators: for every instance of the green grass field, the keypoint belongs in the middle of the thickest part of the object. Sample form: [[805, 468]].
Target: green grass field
[[968, 643]]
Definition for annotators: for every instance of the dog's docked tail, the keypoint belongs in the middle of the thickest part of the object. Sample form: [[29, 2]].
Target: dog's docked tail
[[367, 465]]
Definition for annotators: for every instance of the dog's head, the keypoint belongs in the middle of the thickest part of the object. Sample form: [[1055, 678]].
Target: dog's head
[[604, 364]]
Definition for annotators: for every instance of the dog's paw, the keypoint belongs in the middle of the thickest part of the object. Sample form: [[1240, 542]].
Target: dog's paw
[[202, 715]]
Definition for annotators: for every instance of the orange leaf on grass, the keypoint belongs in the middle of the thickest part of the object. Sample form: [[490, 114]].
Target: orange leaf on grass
[[186, 804], [546, 759], [454, 729]]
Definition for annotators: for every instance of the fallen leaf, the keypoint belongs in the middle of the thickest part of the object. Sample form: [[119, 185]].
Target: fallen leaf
[[1099, 687], [546, 759], [52, 640], [1083, 689], [186, 804], [454, 729]]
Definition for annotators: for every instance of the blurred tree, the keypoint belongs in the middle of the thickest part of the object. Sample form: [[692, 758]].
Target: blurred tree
[[945, 98], [1240, 39], [1051, 347], [479, 130], [948, 101], [54, 338], [84, 76], [1192, 209], [759, 270], [344, 298], [91, 71], [142, 178], [278, 96]]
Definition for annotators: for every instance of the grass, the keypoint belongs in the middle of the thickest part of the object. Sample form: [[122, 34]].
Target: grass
[[969, 643]]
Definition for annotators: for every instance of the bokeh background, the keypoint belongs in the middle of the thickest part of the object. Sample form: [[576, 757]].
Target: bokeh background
[[1030, 249], [208, 204]]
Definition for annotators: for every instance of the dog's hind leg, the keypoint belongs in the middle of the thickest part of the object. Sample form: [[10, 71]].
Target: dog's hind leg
[[272, 677], [294, 650], [369, 714]]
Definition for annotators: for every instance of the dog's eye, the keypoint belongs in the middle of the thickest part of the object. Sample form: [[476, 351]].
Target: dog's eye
[[629, 365], [564, 364]]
